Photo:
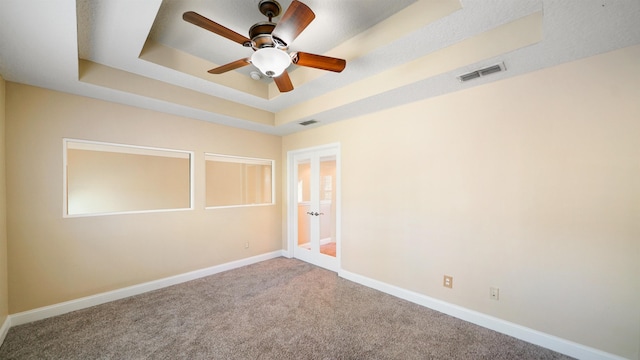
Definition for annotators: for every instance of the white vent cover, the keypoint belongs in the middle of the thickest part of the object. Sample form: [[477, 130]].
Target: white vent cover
[[482, 72]]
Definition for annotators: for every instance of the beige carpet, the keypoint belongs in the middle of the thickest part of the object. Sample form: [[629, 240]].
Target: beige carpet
[[277, 309]]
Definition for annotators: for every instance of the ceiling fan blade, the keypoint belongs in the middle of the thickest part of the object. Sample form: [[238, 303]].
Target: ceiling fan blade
[[284, 82], [319, 61], [230, 66], [203, 22], [297, 17]]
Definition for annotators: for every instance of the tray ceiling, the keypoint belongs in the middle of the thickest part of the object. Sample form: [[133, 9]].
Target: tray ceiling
[[142, 53]]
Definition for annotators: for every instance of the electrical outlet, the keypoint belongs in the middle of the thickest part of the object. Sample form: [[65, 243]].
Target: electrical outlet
[[494, 293], [448, 281], [246, 245]]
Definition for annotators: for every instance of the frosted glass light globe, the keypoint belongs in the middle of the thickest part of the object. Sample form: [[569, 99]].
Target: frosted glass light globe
[[271, 62]]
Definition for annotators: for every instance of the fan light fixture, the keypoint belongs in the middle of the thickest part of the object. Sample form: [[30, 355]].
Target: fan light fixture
[[270, 41], [272, 62]]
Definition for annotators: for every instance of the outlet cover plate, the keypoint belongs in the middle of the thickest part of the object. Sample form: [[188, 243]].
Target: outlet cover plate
[[494, 293], [448, 281]]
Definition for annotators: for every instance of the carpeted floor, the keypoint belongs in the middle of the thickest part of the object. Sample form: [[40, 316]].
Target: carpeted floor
[[277, 309]]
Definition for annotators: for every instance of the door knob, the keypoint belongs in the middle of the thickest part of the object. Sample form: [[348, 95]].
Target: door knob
[[314, 213]]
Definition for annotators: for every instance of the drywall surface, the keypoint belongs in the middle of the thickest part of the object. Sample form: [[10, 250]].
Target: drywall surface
[[55, 259], [530, 185]]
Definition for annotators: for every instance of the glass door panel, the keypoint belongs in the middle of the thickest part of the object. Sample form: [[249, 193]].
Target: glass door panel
[[327, 196], [304, 204]]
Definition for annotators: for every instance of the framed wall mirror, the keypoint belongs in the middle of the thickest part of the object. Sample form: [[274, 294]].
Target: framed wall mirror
[[105, 178]]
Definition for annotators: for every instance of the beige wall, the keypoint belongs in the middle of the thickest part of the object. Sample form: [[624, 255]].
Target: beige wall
[[55, 259], [4, 296], [530, 185]]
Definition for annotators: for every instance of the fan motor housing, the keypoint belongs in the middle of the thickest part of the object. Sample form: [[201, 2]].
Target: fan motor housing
[[260, 35]]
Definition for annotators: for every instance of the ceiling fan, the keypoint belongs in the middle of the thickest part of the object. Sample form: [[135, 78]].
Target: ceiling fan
[[270, 41]]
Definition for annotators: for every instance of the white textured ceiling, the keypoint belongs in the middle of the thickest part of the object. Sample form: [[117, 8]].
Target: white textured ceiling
[[396, 51]]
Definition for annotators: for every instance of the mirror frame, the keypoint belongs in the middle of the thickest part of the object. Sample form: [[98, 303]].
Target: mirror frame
[[132, 149]]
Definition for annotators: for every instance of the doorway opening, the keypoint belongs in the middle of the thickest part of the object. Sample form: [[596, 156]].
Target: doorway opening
[[314, 206]]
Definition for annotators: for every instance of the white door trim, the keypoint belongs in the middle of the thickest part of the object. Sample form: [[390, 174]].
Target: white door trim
[[292, 201]]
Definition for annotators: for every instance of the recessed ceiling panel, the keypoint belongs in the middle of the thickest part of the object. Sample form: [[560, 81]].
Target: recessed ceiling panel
[[335, 22]]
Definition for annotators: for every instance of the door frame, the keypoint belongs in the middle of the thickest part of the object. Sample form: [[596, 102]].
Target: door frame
[[292, 200]]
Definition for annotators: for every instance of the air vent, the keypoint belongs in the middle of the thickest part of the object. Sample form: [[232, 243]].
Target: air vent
[[308, 122], [469, 76], [482, 72]]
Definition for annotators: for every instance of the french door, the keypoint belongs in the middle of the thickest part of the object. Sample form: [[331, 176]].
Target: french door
[[314, 206]]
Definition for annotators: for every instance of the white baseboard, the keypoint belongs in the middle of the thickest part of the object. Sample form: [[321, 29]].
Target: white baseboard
[[85, 302], [520, 332], [5, 329]]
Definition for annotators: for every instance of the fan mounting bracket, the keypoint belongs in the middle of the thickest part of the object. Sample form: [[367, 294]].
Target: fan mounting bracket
[[269, 8]]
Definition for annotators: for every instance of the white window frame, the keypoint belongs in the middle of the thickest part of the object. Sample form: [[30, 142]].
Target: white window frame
[[126, 148]]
